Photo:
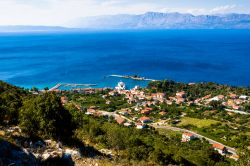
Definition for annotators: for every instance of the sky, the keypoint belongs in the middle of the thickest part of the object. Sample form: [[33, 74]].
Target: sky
[[61, 12]]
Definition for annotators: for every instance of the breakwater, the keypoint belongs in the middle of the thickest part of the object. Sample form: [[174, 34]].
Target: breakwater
[[57, 86], [132, 77]]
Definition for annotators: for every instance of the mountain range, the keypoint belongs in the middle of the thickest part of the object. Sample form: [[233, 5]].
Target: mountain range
[[149, 20], [155, 20]]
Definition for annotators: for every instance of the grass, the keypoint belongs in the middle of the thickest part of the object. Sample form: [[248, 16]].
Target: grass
[[169, 133], [197, 122]]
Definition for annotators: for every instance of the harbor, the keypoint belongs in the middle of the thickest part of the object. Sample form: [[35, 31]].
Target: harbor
[[59, 85]]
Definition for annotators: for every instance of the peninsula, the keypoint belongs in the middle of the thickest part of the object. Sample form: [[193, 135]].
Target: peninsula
[[134, 77]]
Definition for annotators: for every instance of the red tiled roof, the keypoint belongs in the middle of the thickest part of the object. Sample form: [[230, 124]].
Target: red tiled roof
[[188, 134], [181, 93], [64, 98], [232, 95], [120, 120], [91, 110], [145, 111], [162, 113], [218, 146], [220, 96], [144, 118], [161, 93]]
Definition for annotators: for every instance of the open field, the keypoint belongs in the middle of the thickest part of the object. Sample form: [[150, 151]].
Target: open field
[[197, 122], [169, 133]]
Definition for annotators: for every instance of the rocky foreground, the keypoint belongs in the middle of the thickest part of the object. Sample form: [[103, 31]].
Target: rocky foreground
[[15, 149]]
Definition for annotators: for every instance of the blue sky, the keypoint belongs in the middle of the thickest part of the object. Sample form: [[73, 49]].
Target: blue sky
[[60, 12]]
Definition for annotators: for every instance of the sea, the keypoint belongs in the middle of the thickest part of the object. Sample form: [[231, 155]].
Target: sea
[[43, 59]]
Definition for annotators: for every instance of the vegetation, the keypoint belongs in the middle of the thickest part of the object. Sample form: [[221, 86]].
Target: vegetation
[[11, 99], [97, 100], [212, 120], [147, 145], [195, 90], [44, 116]]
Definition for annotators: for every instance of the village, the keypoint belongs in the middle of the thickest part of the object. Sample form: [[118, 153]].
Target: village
[[144, 104]]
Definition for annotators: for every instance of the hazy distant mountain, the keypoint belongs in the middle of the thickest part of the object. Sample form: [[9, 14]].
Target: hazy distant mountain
[[153, 20], [24, 28]]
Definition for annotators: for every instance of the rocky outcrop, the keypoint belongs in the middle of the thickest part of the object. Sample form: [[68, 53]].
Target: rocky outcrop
[[13, 155]]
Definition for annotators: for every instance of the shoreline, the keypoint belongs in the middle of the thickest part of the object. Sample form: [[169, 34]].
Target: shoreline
[[113, 83]]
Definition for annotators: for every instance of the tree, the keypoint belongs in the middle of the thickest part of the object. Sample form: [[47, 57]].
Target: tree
[[45, 116], [244, 157], [247, 107], [34, 89], [10, 102], [216, 104]]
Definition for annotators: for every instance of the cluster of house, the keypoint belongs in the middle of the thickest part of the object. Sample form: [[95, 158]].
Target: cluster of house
[[122, 121], [186, 137], [144, 100], [235, 102], [180, 97], [120, 118], [231, 101], [136, 95], [140, 124]]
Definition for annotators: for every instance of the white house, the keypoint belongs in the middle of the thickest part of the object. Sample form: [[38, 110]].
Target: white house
[[187, 137], [140, 126], [220, 148]]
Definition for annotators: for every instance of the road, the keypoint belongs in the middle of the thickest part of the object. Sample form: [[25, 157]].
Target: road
[[230, 149], [114, 114], [236, 111]]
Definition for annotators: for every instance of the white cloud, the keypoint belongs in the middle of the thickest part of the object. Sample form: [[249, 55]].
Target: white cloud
[[223, 9], [199, 11], [58, 12]]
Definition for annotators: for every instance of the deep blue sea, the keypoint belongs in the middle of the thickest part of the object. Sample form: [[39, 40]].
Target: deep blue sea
[[44, 59]]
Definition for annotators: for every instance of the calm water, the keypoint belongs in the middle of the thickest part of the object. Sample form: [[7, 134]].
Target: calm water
[[44, 59]]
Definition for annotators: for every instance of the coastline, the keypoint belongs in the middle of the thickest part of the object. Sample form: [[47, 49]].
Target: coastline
[[130, 83]]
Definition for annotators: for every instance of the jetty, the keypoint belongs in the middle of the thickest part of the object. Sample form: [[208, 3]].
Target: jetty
[[133, 77], [57, 86]]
